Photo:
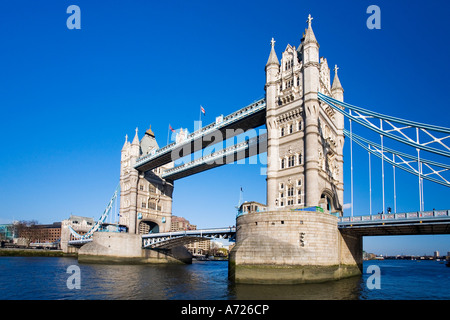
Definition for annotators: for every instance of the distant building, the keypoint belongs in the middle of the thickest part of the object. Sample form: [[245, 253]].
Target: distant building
[[80, 224], [181, 224], [436, 254], [6, 232], [41, 234]]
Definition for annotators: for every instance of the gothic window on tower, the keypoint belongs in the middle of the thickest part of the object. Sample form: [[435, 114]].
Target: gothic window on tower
[[152, 188], [290, 191], [291, 128], [282, 163], [282, 132], [141, 187], [291, 162], [143, 205]]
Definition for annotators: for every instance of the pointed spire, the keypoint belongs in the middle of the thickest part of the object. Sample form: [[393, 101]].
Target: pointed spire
[[126, 142], [309, 33], [336, 81], [150, 132], [136, 138], [273, 56]]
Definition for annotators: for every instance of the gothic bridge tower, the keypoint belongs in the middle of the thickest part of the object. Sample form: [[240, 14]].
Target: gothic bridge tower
[[292, 241], [305, 136], [145, 198]]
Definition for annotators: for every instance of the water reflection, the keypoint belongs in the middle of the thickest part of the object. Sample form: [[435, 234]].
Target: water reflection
[[46, 278], [155, 282], [345, 289]]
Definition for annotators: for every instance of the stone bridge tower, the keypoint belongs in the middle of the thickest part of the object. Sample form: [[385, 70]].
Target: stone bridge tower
[[305, 136], [304, 169], [145, 199]]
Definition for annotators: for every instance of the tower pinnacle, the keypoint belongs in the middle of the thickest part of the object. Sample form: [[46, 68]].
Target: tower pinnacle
[[309, 33], [310, 19], [273, 56], [336, 81], [136, 138]]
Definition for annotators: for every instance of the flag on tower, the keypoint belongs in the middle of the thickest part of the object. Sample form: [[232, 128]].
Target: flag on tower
[[171, 129], [203, 110]]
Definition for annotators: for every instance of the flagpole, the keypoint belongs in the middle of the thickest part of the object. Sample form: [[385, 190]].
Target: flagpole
[[200, 119], [168, 133]]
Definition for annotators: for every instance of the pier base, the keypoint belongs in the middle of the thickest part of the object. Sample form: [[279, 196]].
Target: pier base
[[288, 247], [110, 247]]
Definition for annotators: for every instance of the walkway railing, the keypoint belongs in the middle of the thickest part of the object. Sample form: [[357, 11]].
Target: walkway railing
[[435, 214]]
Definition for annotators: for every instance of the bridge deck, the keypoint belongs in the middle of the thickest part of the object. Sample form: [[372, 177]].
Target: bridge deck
[[412, 223], [167, 240]]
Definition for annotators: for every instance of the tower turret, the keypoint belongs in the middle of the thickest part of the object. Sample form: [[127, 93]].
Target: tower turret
[[311, 73], [271, 87]]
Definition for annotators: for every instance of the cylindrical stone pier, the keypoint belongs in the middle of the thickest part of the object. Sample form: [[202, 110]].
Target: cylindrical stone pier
[[288, 247]]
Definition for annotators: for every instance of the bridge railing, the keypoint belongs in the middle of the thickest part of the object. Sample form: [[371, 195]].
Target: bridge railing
[[398, 216], [159, 238], [189, 232]]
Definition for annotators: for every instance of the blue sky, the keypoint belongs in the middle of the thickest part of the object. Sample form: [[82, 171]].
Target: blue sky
[[69, 97]]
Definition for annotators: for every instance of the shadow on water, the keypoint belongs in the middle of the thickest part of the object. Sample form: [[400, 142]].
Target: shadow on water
[[345, 289]]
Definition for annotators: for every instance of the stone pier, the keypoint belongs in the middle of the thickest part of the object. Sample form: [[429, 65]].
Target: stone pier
[[110, 247], [289, 247]]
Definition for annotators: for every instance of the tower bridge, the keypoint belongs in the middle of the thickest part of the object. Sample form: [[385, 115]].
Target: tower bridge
[[302, 234]]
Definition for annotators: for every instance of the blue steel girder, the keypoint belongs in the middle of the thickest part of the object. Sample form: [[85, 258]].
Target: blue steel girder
[[242, 150], [249, 117]]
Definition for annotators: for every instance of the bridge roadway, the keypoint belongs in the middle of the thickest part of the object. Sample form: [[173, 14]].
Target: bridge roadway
[[409, 223], [168, 240], [251, 116]]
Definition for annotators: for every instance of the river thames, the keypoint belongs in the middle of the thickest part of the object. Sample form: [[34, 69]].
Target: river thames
[[46, 278]]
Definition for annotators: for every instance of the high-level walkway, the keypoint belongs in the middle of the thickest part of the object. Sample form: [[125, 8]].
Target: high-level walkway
[[249, 117]]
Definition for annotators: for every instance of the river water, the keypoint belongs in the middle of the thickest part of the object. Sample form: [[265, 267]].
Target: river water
[[46, 278]]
